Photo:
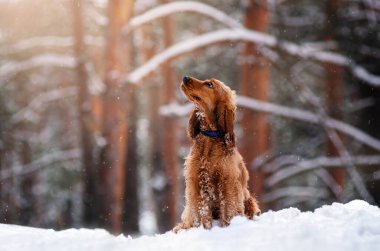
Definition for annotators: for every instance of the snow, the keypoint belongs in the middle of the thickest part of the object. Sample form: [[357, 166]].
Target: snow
[[351, 226]]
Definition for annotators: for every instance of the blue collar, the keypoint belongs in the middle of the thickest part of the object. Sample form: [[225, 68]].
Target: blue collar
[[212, 134]]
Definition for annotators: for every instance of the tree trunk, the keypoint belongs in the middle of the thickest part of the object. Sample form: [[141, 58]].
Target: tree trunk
[[170, 140], [254, 83], [131, 201], [27, 208], [112, 170], [7, 205], [131, 210], [155, 147], [334, 90], [156, 162], [90, 212]]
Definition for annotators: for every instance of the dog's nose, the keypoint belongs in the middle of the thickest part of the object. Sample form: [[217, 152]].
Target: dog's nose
[[186, 79]]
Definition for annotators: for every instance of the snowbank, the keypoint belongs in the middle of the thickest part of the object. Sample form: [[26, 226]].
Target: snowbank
[[351, 226]]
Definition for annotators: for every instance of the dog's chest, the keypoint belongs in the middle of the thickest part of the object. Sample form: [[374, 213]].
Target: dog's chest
[[208, 172], [208, 165], [209, 179]]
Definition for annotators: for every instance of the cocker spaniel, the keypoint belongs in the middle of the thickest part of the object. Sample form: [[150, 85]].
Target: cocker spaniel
[[216, 177]]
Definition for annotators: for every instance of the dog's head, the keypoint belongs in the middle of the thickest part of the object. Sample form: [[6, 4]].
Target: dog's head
[[215, 100]]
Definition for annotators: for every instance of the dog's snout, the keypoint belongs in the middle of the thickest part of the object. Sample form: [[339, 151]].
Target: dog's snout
[[186, 79]]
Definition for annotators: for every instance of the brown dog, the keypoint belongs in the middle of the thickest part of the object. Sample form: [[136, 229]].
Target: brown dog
[[215, 175]]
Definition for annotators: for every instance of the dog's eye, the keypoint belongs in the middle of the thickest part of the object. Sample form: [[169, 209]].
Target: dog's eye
[[209, 85]]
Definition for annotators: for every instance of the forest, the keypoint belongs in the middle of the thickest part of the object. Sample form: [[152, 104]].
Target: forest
[[93, 122]]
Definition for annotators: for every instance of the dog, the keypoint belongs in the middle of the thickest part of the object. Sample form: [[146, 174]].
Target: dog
[[216, 177]]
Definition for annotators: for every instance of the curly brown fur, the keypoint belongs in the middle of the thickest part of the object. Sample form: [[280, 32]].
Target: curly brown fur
[[216, 177]]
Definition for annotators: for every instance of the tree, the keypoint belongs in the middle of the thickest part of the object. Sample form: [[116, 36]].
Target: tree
[[334, 91], [28, 203], [155, 147], [357, 33], [131, 200], [169, 132], [112, 162], [254, 83], [85, 118]]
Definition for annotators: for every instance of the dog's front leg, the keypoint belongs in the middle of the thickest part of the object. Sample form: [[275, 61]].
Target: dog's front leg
[[231, 202], [206, 194], [204, 212]]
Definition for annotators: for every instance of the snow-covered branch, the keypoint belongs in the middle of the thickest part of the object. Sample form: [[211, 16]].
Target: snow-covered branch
[[345, 156], [296, 22], [96, 85], [376, 175], [311, 164], [198, 42], [44, 161], [355, 13], [281, 161], [175, 109], [42, 98], [287, 112], [58, 60], [48, 41], [181, 7], [326, 178], [241, 34], [309, 192], [372, 4]]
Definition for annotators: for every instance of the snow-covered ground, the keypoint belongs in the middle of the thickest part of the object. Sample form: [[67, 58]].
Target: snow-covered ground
[[351, 226]]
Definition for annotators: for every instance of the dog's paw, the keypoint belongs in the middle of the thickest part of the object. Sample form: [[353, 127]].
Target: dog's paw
[[224, 223], [176, 229], [251, 208], [207, 224], [181, 226]]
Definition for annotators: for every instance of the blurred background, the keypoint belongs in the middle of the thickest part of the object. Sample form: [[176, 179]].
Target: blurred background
[[93, 125]]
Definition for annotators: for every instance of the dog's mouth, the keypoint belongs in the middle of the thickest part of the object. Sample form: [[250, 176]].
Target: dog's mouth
[[187, 90], [195, 97], [183, 87]]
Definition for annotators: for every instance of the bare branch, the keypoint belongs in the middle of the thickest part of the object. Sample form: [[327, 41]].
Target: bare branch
[[44, 161], [312, 164], [345, 156], [281, 161], [376, 175], [291, 201], [41, 99], [329, 181], [372, 4], [309, 192]]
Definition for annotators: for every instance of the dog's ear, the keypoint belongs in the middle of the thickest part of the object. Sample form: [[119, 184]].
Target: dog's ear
[[194, 127], [225, 115]]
